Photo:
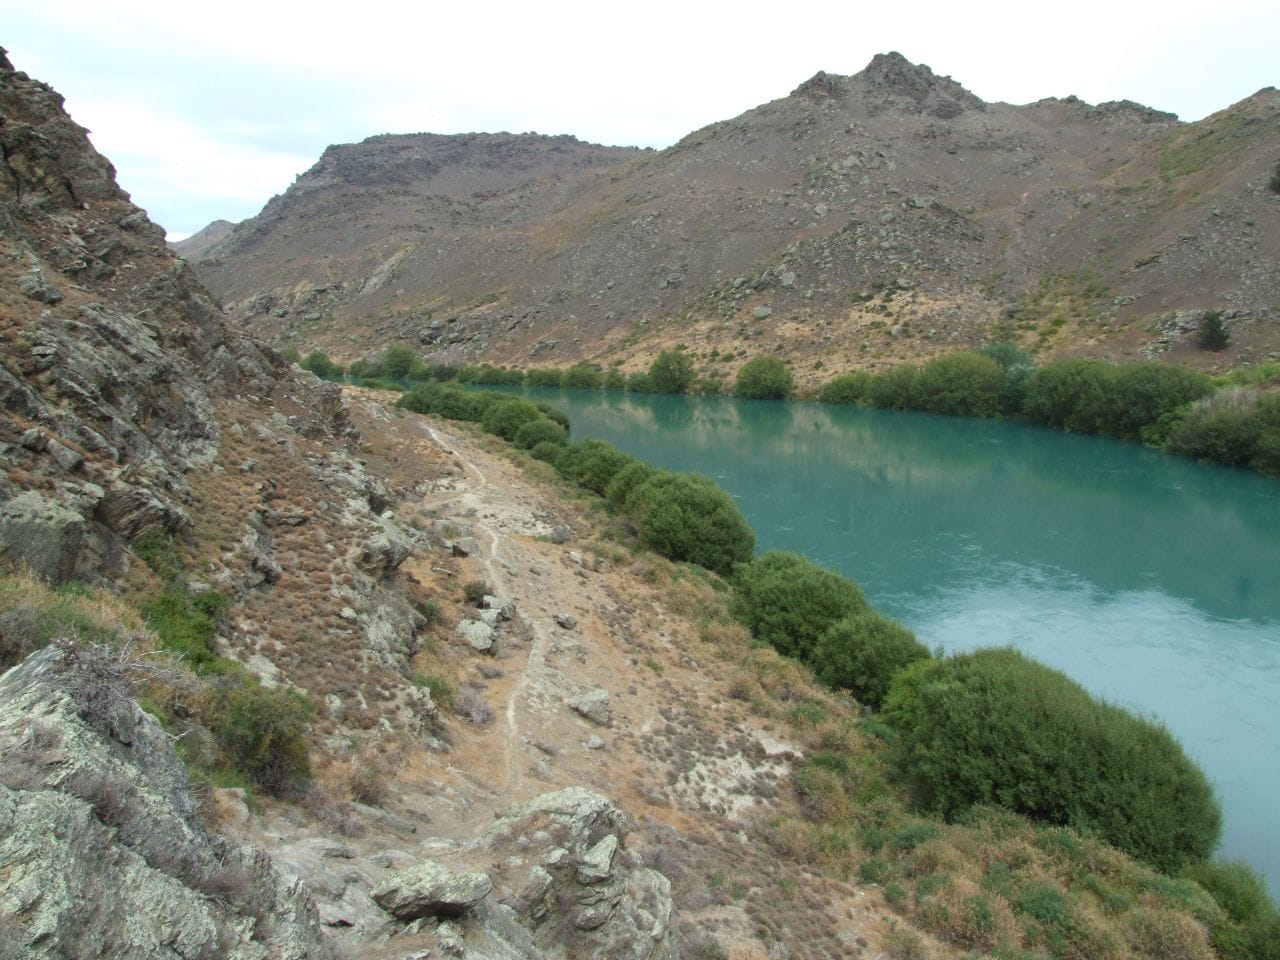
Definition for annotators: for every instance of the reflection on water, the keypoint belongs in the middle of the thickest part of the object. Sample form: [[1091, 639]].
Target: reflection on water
[[1151, 580]]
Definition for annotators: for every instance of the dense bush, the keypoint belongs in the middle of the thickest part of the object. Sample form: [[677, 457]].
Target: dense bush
[[1113, 400], [615, 380], [1008, 355], [186, 624], [544, 377], [789, 602], [671, 372], [685, 516], [398, 363], [764, 378], [1237, 427], [318, 362], [847, 388], [554, 414], [863, 653], [895, 388], [1213, 333], [583, 376], [995, 727], [262, 731], [640, 383], [547, 451], [542, 430], [962, 384], [507, 417], [592, 463], [626, 480]]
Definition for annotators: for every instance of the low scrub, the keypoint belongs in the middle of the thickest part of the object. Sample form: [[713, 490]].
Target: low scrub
[[996, 727], [1237, 427]]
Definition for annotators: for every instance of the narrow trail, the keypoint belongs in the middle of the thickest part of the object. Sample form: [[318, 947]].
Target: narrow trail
[[493, 560]]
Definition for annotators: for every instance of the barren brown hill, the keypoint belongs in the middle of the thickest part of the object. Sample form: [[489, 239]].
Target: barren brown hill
[[780, 226]]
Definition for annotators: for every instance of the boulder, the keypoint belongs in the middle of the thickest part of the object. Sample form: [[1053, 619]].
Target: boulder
[[594, 706], [430, 889], [42, 534], [479, 635]]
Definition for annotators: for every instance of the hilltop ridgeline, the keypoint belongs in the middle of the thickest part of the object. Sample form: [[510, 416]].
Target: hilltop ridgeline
[[775, 230]]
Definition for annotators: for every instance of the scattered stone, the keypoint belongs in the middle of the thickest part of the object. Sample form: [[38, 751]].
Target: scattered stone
[[762, 313], [505, 606], [560, 534], [566, 620], [595, 742], [430, 889], [33, 286], [33, 439], [788, 279], [594, 706], [820, 210], [576, 557]]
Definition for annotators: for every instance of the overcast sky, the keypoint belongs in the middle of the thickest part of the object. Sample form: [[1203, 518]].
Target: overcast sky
[[208, 110]]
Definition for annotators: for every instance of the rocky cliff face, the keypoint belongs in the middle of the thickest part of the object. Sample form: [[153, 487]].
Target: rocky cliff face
[[892, 179], [114, 355]]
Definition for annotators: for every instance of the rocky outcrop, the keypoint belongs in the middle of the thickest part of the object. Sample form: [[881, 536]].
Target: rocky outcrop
[[115, 356], [563, 884], [431, 889], [100, 851]]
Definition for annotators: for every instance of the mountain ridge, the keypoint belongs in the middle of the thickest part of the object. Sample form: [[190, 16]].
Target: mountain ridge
[[892, 177]]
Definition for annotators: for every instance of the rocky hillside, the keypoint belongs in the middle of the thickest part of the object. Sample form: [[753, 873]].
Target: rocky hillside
[[856, 220], [196, 244], [293, 674]]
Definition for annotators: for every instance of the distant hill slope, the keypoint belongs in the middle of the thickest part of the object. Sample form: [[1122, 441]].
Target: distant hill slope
[[199, 242], [533, 249]]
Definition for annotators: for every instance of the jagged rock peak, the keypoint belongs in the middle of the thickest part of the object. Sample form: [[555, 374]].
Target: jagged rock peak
[[822, 85], [891, 75]]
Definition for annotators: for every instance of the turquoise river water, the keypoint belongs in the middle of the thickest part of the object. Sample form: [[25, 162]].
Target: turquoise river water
[[1153, 581]]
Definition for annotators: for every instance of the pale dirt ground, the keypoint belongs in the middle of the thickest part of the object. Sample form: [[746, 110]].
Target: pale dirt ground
[[700, 775]]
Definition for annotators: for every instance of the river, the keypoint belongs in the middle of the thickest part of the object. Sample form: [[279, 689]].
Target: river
[[1153, 581]]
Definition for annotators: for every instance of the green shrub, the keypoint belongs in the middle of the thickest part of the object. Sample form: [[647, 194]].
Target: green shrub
[[186, 623], [615, 380], [583, 376], [847, 388], [895, 388], [591, 463], [961, 384], [671, 372], [506, 418], [685, 516], [993, 727], [158, 550], [544, 377], [1250, 926], [1113, 400], [863, 653], [554, 414], [399, 362], [262, 731], [1236, 427], [1213, 333], [547, 451], [764, 378], [640, 383], [318, 362], [541, 430], [1008, 355], [626, 480], [789, 602]]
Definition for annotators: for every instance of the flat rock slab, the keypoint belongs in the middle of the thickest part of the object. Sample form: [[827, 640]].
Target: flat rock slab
[[431, 889]]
